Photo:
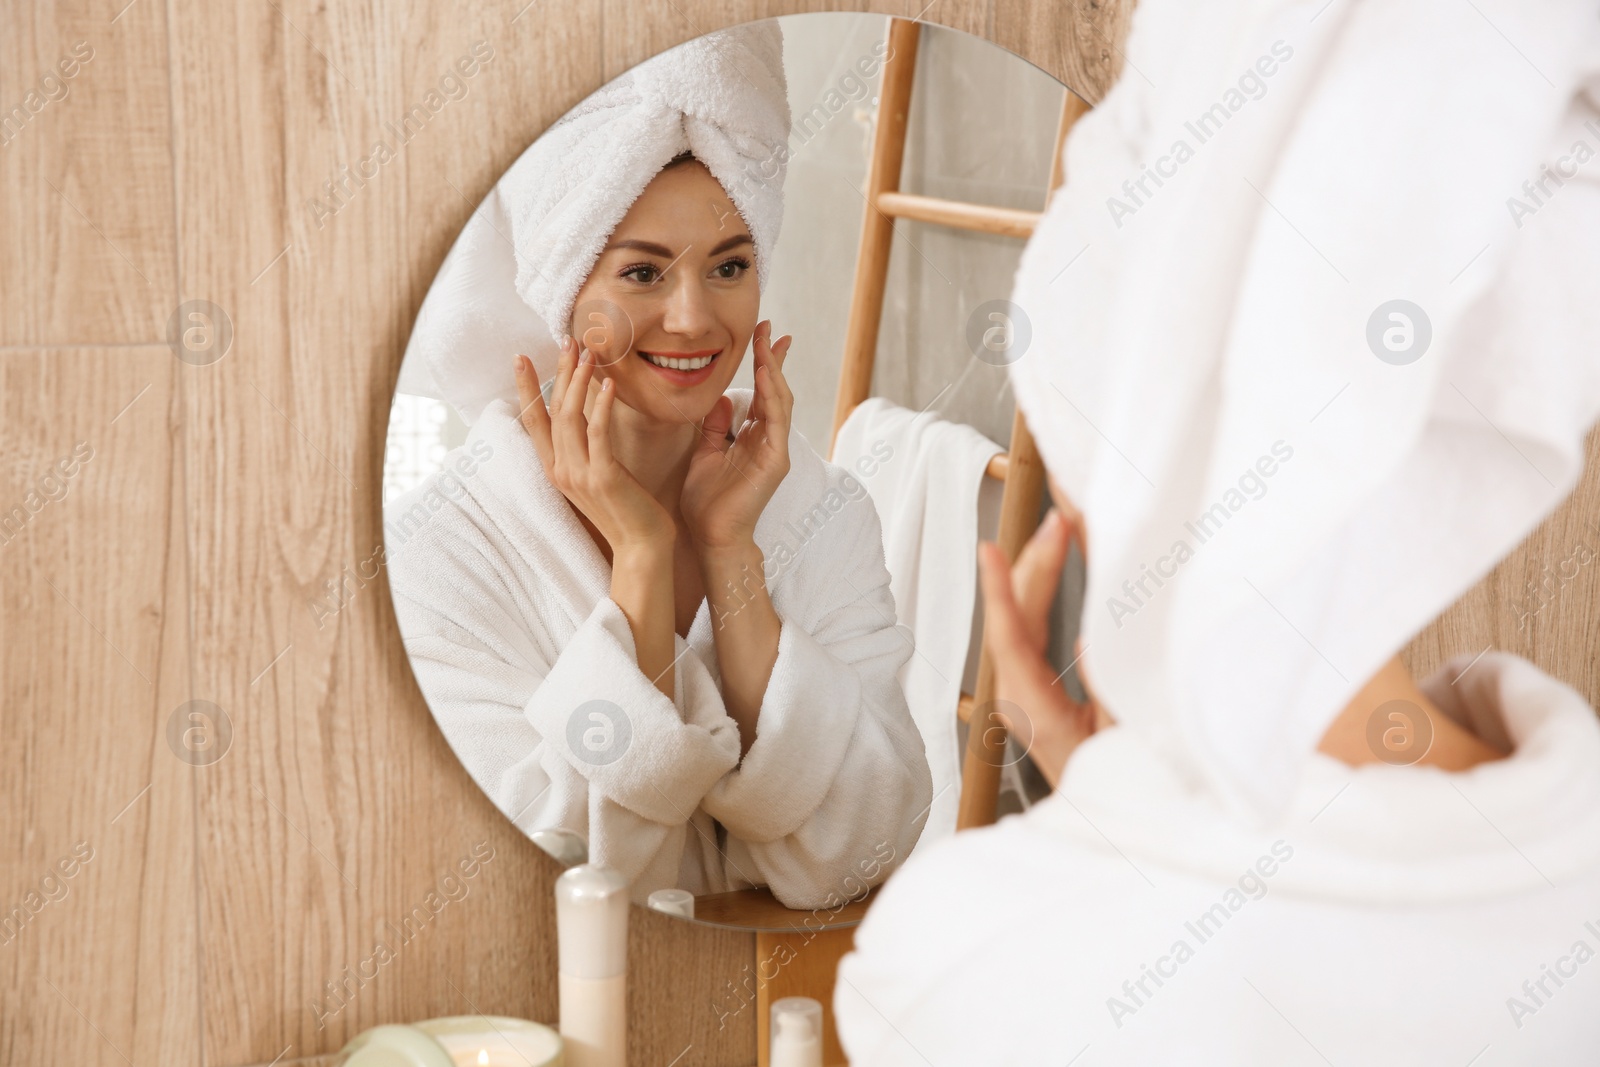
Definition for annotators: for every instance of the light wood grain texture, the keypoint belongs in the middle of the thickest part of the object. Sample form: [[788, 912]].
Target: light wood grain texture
[[345, 812], [889, 128], [97, 959], [758, 909], [86, 236], [1078, 41], [1542, 601], [799, 964]]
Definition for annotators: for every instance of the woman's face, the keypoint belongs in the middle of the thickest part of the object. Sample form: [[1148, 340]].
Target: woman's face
[[676, 282]]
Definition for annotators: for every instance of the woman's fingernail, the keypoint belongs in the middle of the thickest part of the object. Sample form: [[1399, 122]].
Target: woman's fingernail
[[516, 363]]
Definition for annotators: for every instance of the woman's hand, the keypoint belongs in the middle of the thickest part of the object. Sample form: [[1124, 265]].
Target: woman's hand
[[1045, 720], [576, 453], [728, 485]]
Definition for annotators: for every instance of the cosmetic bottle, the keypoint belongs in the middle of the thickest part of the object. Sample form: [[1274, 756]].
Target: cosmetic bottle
[[568, 847], [679, 902], [796, 1033], [592, 947]]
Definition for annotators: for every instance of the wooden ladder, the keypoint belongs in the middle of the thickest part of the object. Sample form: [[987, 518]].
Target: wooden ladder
[[1019, 468]]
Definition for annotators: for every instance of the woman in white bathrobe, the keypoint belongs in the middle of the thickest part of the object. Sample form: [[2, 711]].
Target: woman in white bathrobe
[[1402, 910], [1294, 444], [651, 613]]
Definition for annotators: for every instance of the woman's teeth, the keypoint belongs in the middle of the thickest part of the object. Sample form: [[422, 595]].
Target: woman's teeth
[[678, 364]]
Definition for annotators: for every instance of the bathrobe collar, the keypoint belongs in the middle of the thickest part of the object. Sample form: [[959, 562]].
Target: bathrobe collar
[[1375, 833]]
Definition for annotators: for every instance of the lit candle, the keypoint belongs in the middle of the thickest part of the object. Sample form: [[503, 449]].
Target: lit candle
[[457, 1041], [497, 1050]]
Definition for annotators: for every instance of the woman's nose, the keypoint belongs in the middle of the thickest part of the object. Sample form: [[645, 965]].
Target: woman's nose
[[688, 310]]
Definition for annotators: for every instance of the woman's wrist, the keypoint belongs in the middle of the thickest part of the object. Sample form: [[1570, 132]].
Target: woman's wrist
[[719, 563], [641, 585], [642, 557]]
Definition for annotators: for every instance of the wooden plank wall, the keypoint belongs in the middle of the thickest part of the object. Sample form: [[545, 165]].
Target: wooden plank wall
[[226, 912]]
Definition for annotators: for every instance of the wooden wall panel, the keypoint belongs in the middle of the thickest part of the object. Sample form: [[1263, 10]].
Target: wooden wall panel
[[86, 239], [1078, 43], [1542, 601], [97, 958], [345, 806]]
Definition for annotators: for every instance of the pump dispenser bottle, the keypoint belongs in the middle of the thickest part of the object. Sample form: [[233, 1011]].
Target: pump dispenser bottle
[[592, 942]]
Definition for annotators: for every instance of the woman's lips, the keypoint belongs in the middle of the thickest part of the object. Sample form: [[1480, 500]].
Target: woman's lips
[[684, 377]]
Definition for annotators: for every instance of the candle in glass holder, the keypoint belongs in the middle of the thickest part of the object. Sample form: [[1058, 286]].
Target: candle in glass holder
[[457, 1041], [495, 1041]]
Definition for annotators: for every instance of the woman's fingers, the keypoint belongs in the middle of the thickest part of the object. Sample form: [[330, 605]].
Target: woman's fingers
[[565, 365], [535, 419], [600, 425], [1002, 625], [772, 388], [1070, 512], [714, 428], [1036, 575], [1030, 700], [569, 436]]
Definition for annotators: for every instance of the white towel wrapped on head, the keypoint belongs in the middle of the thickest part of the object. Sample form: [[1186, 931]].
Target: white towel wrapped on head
[[509, 282]]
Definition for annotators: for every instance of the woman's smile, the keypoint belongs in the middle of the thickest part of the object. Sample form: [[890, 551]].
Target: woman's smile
[[683, 368]]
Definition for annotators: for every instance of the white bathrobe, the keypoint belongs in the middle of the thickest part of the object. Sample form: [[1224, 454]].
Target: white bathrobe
[[1394, 915], [503, 600]]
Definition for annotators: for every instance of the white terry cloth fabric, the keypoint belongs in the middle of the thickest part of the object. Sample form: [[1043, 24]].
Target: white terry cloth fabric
[[1394, 916], [924, 477], [509, 282], [1268, 501], [1200, 350], [503, 601]]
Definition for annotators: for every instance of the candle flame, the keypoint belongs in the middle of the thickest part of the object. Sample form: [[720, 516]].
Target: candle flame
[[483, 1057]]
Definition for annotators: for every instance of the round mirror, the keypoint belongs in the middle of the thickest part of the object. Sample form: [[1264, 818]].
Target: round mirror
[[676, 608]]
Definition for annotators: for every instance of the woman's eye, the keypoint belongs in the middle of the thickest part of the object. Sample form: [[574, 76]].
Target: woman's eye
[[732, 268], [643, 267]]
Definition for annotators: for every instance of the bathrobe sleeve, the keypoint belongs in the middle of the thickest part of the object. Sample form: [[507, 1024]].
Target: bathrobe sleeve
[[835, 789], [580, 739]]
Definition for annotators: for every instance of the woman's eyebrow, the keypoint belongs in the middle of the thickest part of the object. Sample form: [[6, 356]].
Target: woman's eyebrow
[[662, 250]]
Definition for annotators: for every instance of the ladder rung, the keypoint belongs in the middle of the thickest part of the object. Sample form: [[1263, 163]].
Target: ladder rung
[[999, 466], [1005, 221]]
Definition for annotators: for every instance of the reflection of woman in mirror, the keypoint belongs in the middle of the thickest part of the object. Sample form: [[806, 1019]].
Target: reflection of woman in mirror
[[652, 614]]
